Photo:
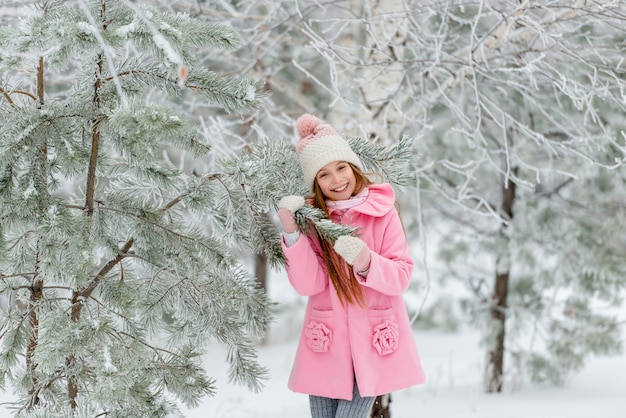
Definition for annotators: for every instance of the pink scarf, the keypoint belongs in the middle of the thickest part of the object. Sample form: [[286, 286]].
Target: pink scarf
[[343, 205]]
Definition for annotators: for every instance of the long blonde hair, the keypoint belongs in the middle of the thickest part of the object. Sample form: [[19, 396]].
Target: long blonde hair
[[341, 275]]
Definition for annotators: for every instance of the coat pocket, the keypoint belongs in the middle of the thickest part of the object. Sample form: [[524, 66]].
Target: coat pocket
[[317, 334], [385, 335]]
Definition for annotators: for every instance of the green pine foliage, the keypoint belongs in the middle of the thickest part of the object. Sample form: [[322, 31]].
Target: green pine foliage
[[110, 293], [567, 296], [251, 184]]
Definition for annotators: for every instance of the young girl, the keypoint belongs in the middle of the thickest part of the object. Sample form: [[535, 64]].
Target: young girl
[[356, 342]]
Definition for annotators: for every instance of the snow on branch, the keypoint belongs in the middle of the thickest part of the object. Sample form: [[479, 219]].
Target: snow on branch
[[259, 177]]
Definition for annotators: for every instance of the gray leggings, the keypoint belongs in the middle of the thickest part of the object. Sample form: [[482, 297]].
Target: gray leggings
[[358, 407]]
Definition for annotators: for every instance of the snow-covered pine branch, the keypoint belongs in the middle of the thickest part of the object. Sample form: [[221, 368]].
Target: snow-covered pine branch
[[253, 182]]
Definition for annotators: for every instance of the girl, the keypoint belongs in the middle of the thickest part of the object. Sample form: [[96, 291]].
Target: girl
[[356, 342]]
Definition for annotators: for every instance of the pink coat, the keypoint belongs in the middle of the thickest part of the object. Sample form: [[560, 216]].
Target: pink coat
[[338, 342]]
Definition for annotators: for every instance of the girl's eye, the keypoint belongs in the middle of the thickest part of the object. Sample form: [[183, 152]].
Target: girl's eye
[[319, 176]]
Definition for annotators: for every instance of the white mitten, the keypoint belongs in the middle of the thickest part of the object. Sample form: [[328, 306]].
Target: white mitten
[[354, 251], [287, 206]]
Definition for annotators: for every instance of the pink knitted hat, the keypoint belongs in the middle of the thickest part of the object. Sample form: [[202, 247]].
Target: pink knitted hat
[[319, 145]]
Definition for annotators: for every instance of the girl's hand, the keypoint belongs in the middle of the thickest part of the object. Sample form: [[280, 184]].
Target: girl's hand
[[287, 206], [354, 251]]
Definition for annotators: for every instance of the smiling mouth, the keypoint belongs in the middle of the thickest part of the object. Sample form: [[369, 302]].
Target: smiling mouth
[[340, 189]]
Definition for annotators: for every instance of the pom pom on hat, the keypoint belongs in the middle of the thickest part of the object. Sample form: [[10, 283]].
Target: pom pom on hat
[[306, 125], [319, 145]]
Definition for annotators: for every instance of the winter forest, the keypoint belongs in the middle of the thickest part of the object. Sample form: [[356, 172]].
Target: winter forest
[[144, 145]]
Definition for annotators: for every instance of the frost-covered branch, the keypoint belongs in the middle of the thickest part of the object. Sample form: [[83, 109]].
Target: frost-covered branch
[[309, 217], [255, 181]]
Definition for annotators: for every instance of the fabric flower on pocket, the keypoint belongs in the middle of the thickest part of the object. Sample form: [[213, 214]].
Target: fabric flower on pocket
[[386, 338], [318, 337]]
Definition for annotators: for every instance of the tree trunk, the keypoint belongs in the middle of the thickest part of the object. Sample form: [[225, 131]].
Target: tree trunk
[[260, 272], [381, 407], [495, 365], [36, 290], [36, 295]]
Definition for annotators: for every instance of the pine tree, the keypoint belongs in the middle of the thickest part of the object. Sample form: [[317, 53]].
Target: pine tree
[[113, 294]]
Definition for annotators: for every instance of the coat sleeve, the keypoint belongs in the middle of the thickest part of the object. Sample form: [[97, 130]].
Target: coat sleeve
[[391, 265], [305, 268]]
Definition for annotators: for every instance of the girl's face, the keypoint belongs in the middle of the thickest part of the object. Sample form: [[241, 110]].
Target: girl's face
[[336, 180]]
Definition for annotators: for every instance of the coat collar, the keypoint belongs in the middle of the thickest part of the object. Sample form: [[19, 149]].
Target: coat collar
[[380, 200]]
